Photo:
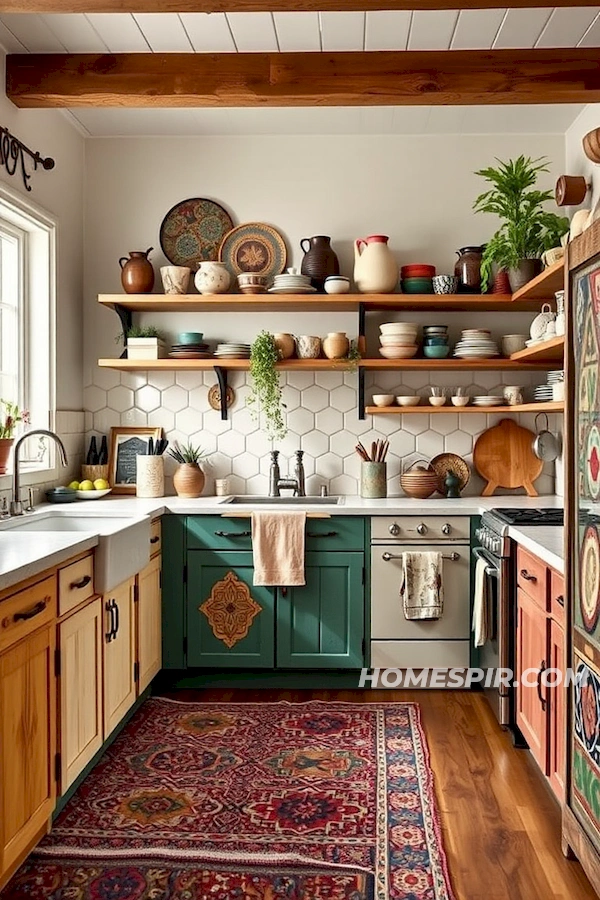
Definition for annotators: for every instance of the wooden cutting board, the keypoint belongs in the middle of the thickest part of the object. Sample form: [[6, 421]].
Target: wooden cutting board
[[504, 456]]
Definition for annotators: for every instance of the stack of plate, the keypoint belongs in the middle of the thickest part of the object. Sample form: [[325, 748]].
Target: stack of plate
[[292, 283], [476, 343], [544, 392], [556, 376], [233, 351], [488, 400], [189, 351]]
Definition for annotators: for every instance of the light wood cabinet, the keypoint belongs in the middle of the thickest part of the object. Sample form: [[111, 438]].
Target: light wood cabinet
[[531, 694], [80, 639], [149, 625], [119, 653], [557, 701], [27, 744]]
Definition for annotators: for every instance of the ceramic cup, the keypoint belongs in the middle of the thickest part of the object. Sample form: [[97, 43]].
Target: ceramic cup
[[308, 346], [512, 343], [175, 279], [513, 395], [558, 391], [221, 487], [445, 284]]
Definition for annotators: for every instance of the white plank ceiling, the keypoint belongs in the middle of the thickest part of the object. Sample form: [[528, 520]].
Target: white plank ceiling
[[302, 31]]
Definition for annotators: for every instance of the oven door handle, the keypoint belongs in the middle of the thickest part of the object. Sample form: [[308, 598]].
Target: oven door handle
[[491, 569]]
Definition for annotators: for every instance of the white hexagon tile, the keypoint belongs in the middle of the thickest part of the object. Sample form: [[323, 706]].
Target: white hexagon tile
[[321, 412]]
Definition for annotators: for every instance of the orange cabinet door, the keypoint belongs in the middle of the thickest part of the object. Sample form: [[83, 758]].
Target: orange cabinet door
[[532, 657], [557, 713]]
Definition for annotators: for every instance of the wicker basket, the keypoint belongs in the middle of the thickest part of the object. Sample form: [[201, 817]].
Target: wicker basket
[[92, 473], [420, 482]]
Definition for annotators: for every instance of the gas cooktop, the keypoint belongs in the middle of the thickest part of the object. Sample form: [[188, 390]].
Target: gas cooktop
[[549, 516]]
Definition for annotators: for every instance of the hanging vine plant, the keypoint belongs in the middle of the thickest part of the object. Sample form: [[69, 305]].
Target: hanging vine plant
[[265, 398]]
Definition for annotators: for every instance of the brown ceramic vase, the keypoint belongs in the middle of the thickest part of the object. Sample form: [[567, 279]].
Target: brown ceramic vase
[[319, 260], [137, 272]]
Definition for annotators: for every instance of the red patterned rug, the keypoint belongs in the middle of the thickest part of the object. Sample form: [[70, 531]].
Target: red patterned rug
[[246, 796]]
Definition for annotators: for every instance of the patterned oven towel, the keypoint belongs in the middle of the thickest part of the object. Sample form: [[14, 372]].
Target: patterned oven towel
[[421, 590]]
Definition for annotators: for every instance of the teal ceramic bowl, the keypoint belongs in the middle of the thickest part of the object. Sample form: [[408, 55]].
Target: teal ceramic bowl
[[417, 286], [436, 352], [436, 341], [190, 337]]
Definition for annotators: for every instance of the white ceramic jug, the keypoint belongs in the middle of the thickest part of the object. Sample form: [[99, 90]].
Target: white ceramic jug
[[375, 268]]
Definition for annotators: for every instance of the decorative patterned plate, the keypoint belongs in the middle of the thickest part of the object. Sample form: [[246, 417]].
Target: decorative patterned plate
[[593, 462], [589, 578], [192, 231], [446, 462], [255, 248]]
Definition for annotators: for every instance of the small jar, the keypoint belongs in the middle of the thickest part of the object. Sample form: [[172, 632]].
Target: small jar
[[221, 487]]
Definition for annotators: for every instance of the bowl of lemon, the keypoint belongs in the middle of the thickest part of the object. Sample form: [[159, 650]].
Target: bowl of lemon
[[91, 490]]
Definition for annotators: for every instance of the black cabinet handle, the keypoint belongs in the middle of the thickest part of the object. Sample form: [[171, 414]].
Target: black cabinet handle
[[233, 534], [525, 574], [560, 600], [155, 539], [539, 685], [116, 609], [76, 585], [109, 635], [31, 613], [283, 591], [317, 534]]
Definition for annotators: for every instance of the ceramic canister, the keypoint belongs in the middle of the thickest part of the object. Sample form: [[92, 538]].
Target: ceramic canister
[[150, 476], [373, 480]]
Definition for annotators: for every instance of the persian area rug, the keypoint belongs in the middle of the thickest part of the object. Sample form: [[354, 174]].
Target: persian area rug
[[204, 790]]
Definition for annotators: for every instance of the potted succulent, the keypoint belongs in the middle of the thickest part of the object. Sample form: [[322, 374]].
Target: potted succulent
[[144, 342], [527, 229], [265, 396], [189, 478], [10, 416]]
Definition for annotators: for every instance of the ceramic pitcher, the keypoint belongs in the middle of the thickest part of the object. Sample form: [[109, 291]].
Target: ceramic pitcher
[[375, 268], [320, 260], [137, 273]]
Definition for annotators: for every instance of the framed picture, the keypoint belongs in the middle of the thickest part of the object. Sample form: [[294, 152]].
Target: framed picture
[[126, 444]]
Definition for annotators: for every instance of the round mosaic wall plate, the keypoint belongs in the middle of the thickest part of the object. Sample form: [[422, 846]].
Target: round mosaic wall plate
[[192, 231], [593, 462], [589, 578], [254, 247]]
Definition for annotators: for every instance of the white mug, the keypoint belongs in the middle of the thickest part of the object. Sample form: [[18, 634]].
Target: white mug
[[512, 394]]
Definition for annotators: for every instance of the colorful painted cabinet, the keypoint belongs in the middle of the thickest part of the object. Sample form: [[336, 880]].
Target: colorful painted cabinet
[[214, 617]]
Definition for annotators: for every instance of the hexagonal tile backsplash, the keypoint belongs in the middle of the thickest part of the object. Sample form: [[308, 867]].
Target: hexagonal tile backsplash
[[321, 415]]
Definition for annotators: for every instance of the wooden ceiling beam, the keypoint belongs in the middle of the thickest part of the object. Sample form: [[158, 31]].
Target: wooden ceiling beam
[[208, 6], [404, 78]]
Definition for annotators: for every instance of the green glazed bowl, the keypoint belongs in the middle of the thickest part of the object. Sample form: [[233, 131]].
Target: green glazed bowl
[[436, 352]]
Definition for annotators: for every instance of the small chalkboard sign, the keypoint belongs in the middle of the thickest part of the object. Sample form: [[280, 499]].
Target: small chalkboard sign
[[126, 444]]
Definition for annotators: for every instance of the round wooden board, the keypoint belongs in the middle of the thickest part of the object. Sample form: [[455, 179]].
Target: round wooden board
[[504, 456]]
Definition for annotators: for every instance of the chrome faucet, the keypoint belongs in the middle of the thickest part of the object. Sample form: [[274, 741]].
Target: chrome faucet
[[277, 483], [16, 507]]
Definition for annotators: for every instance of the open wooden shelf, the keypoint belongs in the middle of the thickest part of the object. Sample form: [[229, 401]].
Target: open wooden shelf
[[550, 350], [441, 365], [551, 406], [544, 286], [451, 364]]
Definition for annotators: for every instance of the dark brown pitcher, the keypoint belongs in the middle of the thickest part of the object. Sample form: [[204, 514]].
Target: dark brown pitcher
[[468, 269], [319, 260], [137, 272]]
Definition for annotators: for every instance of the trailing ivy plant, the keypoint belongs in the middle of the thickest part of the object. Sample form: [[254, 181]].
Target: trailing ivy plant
[[265, 398]]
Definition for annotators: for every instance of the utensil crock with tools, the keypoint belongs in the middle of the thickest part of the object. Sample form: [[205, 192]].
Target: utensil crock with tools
[[545, 445]]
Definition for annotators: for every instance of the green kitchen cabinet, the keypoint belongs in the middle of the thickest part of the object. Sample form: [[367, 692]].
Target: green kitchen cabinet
[[230, 622], [320, 625]]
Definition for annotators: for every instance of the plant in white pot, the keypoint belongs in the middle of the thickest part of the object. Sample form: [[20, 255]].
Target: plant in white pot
[[527, 228], [144, 342]]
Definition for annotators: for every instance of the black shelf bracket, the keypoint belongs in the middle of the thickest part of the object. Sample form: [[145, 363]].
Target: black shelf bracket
[[361, 320], [126, 317], [221, 374], [361, 393]]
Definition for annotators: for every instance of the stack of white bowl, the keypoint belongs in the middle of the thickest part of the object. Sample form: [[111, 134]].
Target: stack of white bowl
[[398, 340]]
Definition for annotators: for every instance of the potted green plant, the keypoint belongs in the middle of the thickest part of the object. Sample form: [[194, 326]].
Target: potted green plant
[[189, 479], [144, 342], [10, 416], [265, 398], [527, 229]]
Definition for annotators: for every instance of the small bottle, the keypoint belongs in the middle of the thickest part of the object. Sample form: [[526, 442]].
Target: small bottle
[[103, 455], [92, 456]]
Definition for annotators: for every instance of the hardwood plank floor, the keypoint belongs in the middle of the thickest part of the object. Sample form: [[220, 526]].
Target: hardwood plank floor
[[500, 820]]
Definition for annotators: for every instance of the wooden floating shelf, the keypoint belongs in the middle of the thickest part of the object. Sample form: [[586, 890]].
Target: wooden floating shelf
[[452, 364], [314, 302], [544, 286], [550, 350], [551, 406], [441, 365]]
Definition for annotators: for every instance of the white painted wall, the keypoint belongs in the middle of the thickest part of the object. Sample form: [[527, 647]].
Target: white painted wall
[[577, 162], [419, 190]]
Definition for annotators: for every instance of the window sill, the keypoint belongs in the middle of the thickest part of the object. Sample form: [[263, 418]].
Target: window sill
[[29, 477]]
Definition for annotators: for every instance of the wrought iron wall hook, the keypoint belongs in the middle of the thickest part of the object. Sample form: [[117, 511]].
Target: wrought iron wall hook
[[13, 152]]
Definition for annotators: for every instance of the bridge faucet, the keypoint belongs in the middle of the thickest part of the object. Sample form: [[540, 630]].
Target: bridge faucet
[[277, 483], [16, 507]]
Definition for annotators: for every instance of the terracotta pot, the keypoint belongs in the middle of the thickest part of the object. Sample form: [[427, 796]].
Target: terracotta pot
[[188, 480], [285, 344], [5, 448], [319, 260], [137, 273], [501, 283], [336, 345]]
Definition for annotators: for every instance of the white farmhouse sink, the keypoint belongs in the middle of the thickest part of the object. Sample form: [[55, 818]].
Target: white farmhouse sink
[[123, 546]]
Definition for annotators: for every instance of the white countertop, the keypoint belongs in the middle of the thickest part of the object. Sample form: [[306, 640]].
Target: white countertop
[[545, 541], [26, 554]]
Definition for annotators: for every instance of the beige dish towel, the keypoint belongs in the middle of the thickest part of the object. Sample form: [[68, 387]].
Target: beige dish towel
[[278, 547], [480, 626], [421, 591]]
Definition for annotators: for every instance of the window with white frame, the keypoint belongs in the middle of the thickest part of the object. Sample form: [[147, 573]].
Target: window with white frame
[[27, 296]]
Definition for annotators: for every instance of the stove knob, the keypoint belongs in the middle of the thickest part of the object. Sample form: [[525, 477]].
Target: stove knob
[[394, 529], [446, 528], [422, 529]]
